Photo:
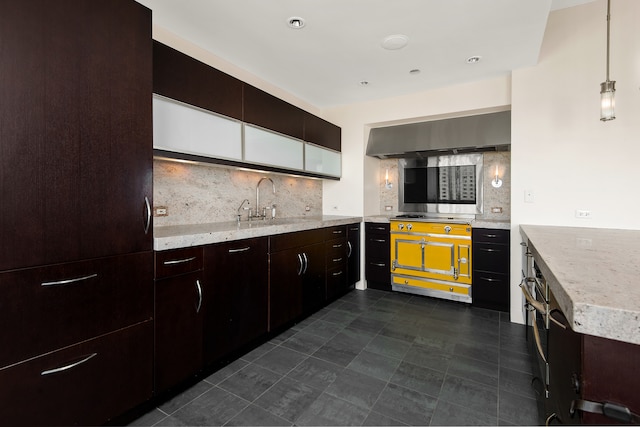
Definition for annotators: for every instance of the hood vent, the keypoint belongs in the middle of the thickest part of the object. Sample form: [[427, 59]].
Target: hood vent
[[484, 132]]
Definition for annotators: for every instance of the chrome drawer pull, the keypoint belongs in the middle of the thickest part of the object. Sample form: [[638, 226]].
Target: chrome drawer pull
[[179, 261], [379, 240], [377, 264], [68, 281], [378, 228], [69, 366], [491, 236], [235, 251], [199, 288], [489, 250], [338, 273], [337, 259], [337, 231], [488, 279], [338, 246]]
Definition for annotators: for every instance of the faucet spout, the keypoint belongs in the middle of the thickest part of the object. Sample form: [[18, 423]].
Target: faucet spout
[[258, 193], [240, 207]]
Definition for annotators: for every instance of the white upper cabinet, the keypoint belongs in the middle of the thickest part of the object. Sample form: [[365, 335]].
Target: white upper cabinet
[[322, 161], [272, 149], [182, 128]]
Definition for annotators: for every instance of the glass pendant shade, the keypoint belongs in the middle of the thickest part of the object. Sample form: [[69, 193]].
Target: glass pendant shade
[[607, 100]]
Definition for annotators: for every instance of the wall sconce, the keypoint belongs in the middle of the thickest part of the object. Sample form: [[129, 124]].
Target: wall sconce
[[608, 88], [388, 185], [496, 182]]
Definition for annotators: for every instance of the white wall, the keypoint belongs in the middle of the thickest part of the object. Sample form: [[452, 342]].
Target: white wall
[[560, 149], [358, 192]]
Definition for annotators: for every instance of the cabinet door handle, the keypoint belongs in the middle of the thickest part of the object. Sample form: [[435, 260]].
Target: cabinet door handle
[[301, 265], [338, 273], [68, 281], [147, 207], [234, 251], [488, 279], [306, 262], [350, 249], [69, 366], [199, 289], [179, 261]]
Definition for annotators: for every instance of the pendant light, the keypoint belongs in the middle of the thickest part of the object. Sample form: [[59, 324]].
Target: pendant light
[[608, 87]]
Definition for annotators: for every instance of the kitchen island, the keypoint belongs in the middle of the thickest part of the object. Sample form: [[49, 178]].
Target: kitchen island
[[593, 274], [585, 322]]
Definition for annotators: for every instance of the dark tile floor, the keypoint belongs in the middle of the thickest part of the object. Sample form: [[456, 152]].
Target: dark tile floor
[[371, 358]]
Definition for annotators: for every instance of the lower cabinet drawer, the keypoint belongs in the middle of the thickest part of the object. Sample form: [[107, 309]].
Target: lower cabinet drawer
[[46, 308], [428, 284], [491, 290], [336, 281], [377, 269], [84, 384]]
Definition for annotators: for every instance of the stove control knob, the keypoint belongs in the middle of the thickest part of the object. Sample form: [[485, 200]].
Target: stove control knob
[[447, 229], [401, 226], [409, 227]]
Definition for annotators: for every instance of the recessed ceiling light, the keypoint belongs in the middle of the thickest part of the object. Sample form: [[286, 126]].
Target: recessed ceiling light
[[296, 22], [473, 59], [395, 42], [414, 71]]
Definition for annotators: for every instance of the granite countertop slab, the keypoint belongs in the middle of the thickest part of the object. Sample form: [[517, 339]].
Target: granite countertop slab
[[182, 236], [495, 224], [594, 273]]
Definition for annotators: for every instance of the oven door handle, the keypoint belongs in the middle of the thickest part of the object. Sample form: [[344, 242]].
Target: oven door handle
[[535, 304], [536, 335]]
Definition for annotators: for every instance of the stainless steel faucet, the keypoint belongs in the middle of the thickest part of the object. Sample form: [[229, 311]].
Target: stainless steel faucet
[[257, 212]]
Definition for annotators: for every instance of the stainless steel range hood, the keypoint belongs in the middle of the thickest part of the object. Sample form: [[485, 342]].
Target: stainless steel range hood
[[483, 132]]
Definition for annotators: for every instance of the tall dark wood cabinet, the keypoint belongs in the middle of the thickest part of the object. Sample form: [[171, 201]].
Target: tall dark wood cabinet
[[353, 254], [75, 224]]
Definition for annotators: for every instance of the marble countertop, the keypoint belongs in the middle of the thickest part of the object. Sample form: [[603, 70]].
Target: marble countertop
[[182, 236], [477, 223], [594, 273]]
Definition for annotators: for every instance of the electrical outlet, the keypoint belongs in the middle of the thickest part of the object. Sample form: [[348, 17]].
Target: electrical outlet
[[388, 208], [160, 211], [497, 209], [583, 214], [528, 196]]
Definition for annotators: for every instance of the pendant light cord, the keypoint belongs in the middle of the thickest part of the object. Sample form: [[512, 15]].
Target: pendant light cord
[[608, 30]]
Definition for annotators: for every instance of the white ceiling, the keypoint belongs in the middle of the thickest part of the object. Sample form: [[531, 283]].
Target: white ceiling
[[341, 44]]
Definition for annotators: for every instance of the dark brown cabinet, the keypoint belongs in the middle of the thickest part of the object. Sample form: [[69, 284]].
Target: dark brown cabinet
[[322, 132], [236, 276], [183, 78], [377, 268], [75, 223], [179, 309], [336, 250], [297, 275], [490, 281], [267, 111], [84, 384], [76, 153], [592, 369]]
